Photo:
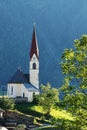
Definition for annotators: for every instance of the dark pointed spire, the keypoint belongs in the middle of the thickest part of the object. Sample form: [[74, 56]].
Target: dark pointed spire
[[34, 44]]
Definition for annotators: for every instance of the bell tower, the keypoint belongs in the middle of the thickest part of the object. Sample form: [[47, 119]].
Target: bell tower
[[34, 60]]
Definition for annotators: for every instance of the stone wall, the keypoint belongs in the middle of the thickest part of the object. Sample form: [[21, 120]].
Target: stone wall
[[19, 118]]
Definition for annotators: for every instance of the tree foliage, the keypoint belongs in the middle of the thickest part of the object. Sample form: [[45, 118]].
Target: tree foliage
[[74, 88], [48, 98], [6, 103]]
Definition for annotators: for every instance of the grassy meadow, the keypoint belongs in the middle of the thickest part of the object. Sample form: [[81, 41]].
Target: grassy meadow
[[37, 111]]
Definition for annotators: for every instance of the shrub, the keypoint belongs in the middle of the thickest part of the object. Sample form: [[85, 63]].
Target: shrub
[[6, 103], [20, 127]]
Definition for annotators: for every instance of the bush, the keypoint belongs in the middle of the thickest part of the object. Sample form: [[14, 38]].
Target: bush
[[20, 127], [35, 99], [6, 103]]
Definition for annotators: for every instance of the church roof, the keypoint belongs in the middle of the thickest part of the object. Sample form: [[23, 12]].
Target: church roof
[[27, 77], [30, 87], [19, 77], [34, 45]]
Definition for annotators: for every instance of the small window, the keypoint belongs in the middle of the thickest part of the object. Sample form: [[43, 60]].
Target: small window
[[11, 90], [33, 93], [34, 65]]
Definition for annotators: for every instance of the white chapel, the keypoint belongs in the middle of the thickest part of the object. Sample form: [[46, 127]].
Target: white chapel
[[26, 85]]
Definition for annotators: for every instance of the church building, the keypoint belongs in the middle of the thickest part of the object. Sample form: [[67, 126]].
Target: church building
[[26, 85]]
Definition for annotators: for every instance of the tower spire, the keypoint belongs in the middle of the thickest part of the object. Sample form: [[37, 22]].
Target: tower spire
[[34, 60], [34, 44]]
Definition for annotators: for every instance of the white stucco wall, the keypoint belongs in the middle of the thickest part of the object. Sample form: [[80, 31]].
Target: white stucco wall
[[34, 73], [18, 90]]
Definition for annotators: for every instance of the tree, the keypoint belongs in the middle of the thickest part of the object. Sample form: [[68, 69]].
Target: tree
[[74, 88], [6, 103], [48, 98]]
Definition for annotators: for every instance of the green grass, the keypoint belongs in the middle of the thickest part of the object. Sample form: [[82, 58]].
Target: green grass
[[27, 108], [37, 111], [56, 113], [47, 128], [61, 114]]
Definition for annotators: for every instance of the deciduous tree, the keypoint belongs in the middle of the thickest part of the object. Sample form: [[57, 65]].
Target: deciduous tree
[[74, 88], [48, 98]]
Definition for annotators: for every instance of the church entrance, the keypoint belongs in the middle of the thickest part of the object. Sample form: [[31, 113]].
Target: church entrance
[[23, 95]]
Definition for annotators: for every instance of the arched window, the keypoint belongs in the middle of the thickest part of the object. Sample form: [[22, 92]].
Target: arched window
[[34, 66]]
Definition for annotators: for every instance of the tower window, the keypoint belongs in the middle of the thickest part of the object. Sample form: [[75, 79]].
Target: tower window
[[34, 66]]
